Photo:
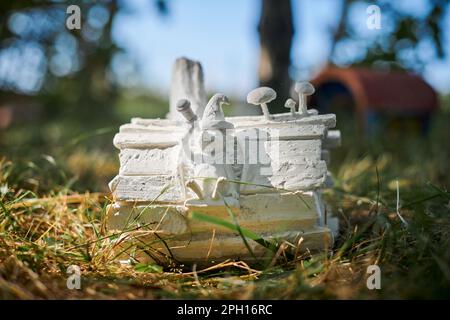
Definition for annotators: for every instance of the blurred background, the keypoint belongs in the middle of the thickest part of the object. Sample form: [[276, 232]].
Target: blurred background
[[384, 70]]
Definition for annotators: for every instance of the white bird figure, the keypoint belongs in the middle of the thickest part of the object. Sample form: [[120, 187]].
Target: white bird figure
[[213, 117], [212, 173]]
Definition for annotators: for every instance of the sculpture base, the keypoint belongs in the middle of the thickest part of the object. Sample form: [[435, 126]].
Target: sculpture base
[[206, 235]]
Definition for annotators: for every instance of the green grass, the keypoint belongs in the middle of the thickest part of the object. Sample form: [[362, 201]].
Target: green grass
[[53, 201]]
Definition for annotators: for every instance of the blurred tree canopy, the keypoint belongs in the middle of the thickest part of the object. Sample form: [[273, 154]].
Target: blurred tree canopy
[[42, 57], [67, 71], [400, 44], [71, 70]]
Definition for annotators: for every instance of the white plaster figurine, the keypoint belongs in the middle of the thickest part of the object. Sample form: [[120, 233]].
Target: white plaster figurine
[[173, 170], [214, 176]]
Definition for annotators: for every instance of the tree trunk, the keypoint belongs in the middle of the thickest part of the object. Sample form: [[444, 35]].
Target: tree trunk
[[276, 31]]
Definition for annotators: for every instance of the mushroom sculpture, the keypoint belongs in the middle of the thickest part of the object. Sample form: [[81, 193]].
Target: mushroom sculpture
[[261, 96], [184, 107], [303, 90], [291, 105]]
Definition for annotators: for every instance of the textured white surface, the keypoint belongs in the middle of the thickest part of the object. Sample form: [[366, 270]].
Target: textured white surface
[[287, 216], [293, 211], [149, 161], [286, 176], [209, 248], [146, 188], [150, 149], [273, 190]]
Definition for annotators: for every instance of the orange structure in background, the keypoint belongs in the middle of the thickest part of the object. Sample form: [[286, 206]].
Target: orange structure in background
[[395, 98]]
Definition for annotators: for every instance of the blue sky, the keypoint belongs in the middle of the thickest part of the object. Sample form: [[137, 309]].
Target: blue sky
[[222, 35]]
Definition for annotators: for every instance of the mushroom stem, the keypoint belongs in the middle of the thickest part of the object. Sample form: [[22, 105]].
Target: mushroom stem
[[265, 111], [291, 105], [302, 103], [184, 107]]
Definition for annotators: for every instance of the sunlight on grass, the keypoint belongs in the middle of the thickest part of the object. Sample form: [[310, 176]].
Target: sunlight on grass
[[48, 222]]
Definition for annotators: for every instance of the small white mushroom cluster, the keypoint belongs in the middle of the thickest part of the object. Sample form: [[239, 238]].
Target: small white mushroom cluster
[[263, 95]]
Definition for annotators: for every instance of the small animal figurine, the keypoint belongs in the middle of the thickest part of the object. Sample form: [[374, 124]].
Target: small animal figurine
[[214, 180]]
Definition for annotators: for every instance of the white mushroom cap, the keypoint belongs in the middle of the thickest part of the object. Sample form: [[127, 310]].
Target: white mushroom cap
[[261, 95], [305, 88], [290, 103], [184, 107], [183, 104]]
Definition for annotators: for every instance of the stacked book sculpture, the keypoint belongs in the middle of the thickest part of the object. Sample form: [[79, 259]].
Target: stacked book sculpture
[[202, 188]]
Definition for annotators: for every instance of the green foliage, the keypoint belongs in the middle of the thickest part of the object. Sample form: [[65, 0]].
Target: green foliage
[[397, 45], [245, 233], [151, 268], [48, 221]]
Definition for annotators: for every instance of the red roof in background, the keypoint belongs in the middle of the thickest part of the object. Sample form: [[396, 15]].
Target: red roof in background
[[382, 90]]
